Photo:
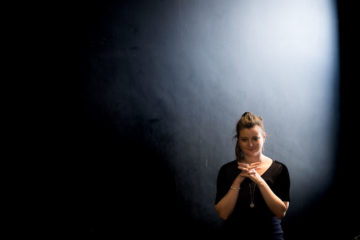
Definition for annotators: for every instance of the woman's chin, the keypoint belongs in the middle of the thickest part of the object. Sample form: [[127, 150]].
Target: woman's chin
[[252, 153]]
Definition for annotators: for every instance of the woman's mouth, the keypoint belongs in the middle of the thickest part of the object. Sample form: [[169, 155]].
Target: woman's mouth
[[251, 149]]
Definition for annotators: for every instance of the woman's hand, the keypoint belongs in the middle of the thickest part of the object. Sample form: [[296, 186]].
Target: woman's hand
[[249, 171], [275, 204]]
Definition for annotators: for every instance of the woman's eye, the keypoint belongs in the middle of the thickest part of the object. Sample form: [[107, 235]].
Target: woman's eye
[[256, 138]]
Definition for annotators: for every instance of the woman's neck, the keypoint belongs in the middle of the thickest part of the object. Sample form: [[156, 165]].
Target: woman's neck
[[253, 159]]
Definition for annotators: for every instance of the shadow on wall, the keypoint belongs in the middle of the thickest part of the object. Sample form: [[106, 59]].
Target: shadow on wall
[[121, 184]]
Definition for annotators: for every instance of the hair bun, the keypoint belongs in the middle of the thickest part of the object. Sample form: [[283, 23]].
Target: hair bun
[[246, 113]]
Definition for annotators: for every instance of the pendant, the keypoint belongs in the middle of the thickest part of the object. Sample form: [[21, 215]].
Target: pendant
[[252, 205]]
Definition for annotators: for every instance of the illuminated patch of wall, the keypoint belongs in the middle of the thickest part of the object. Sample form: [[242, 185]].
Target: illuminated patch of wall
[[275, 58]]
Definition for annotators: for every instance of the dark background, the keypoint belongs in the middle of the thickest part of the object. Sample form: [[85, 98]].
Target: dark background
[[94, 198]]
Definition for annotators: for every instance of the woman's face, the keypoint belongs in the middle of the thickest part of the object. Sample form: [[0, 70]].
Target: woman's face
[[251, 141]]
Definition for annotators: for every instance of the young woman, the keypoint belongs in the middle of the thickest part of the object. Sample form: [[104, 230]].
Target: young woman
[[253, 190]]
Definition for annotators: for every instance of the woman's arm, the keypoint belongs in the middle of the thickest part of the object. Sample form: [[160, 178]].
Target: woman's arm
[[275, 204], [227, 204]]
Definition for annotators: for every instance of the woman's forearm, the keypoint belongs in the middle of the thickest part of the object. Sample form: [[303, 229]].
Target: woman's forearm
[[226, 205], [275, 204]]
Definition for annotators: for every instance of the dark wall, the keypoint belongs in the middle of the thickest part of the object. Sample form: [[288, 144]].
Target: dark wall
[[148, 95]]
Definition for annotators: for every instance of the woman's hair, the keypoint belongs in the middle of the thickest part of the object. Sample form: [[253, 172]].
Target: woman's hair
[[247, 120]]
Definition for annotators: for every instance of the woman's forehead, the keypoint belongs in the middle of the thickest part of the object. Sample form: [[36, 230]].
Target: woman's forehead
[[248, 132]]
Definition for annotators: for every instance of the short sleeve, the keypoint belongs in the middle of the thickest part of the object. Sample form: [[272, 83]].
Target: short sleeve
[[282, 184], [221, 185]]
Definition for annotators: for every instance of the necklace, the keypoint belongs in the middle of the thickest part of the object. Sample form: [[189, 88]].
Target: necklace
[[252, 187]]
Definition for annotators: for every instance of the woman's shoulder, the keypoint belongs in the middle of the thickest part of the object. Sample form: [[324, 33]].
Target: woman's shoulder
[[229, 170], [280, 165], [277, 162], [229, 165]]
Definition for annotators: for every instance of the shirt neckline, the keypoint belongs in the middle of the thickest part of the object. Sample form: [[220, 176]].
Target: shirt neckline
[[272, 163]]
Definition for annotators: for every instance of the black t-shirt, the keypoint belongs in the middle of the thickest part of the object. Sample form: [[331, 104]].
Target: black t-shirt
[[257, 222]]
